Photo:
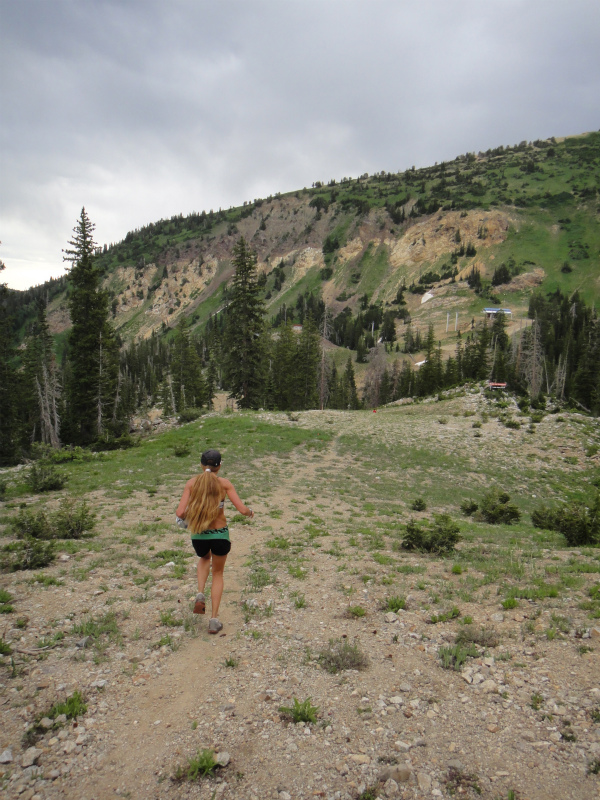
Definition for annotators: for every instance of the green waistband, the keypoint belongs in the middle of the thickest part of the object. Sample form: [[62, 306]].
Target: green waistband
[[212, 533]]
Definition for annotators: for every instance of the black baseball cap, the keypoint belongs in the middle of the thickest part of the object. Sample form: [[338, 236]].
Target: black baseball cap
[[211, 458]]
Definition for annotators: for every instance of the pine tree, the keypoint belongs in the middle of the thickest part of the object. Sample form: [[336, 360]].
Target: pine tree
[[350, 395], [244, 334], [8, 386], [93, 351], [309, 353], [189, 386], [285, 370]]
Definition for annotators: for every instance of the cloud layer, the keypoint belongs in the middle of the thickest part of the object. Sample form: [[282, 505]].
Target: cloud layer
[[139, 109]]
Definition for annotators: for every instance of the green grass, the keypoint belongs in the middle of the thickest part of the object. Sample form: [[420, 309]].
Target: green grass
[[198, 766], [300, 711]]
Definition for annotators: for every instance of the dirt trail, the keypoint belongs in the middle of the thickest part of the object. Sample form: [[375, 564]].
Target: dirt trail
[[319, 563]]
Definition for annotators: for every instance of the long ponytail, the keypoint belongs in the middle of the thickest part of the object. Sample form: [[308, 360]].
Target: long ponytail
[[205, 498]]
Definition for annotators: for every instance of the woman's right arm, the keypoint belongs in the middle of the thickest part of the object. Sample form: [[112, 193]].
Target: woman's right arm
[[234, 497]]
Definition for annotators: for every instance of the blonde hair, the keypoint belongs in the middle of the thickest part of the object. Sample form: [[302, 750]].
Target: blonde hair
[[205, 499]]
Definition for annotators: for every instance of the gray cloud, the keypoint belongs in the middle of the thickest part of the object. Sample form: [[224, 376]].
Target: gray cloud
[[139, 109]]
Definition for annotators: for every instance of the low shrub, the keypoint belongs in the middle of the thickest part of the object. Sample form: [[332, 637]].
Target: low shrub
[[441, 536], [182, 450], [44, 477], [418, 504], [545, 518], [189, 415], [33, 524], [123, 442], [469, 507], [67, 454], [484, 637], [578, 523], [512, 424], [28, 553], [496, 508], [72, 520], [341, 655], [3, 488]]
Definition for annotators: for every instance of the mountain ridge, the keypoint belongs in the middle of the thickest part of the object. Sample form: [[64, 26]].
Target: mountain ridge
[[535, 203]]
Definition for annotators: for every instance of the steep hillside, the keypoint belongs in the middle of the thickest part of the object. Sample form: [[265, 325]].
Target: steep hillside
[[532, 208]]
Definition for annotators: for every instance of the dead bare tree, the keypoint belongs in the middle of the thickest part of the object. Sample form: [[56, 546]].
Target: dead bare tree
[[324, 368], [531, 362]]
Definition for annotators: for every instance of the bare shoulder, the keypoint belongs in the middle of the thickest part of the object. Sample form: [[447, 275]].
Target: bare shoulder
[[191, 482], [225, 483]]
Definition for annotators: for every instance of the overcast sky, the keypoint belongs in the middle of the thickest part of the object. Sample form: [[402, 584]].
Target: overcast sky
[[141, 109]]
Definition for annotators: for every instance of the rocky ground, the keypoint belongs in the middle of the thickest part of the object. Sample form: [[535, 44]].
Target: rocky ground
[[310, 585]]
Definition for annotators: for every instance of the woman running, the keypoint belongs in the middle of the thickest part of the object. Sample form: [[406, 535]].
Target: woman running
[[202, 508]]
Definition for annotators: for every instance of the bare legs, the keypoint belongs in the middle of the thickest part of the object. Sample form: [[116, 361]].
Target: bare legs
[[203, 569]]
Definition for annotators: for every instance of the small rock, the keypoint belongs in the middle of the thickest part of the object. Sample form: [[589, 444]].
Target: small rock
[[285, 796], [391, 617], [46, 723], [493, 728], [400, 774], [595, 633], [397, 700], [402, 747], [424, 781], [456, 764], [6, 757], [64, 557], [98, 684], [405, 687], [223, 759], [30, 757], [489, 686], [390, 788], [83, 643], [170, 563], [498, 617], [359, 758], [69, 746]]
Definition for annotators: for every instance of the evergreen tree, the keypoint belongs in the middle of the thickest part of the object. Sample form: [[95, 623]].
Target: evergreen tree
[[361, 351], [189, 386], [245, 365], [8, 386], [285, 370], [309, 353], [93, 351], [349, 394], [385, 388]]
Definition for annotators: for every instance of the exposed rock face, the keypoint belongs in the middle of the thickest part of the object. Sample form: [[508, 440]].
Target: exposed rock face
[[147, 296]]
